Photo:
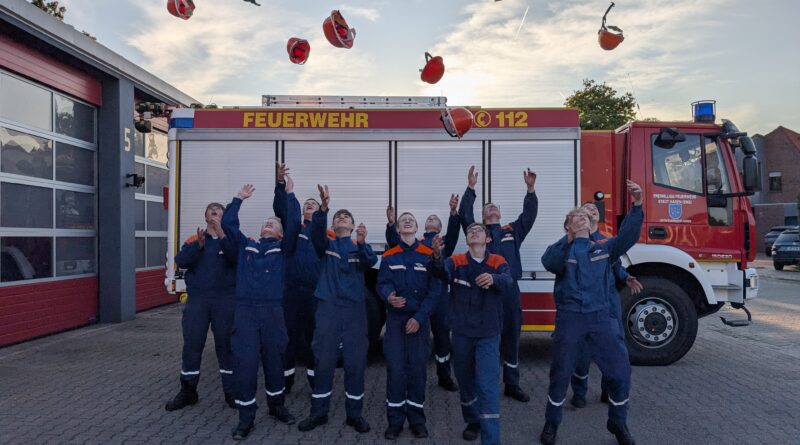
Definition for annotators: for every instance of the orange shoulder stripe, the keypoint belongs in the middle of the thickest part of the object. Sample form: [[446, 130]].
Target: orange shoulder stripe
[[495, 261], [423, 249], [460, 259], [507, 227], [191, 239], [393, 250], [331, 234]]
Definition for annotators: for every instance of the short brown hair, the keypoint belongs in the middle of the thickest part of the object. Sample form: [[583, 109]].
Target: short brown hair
[[482, 226], [215, 205], [574, 212], [344, 212]]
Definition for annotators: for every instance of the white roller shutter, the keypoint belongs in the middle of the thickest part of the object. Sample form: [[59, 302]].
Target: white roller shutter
[[215, 171], [428, 172], [554, 164], [357, 175]]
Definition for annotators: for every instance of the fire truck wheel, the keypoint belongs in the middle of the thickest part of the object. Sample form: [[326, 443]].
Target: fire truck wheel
[[660, 323], [376, 316], [778, 266]]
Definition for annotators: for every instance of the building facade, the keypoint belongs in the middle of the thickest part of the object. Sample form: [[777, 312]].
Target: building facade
[[78, 245]]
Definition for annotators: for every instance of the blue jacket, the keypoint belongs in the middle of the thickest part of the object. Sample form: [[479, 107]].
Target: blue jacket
[[507, 239], [302, 268], [210, 270], [474, 311], [405, 270], [583, 268], [343, 262], [260, 265], [450, 241]]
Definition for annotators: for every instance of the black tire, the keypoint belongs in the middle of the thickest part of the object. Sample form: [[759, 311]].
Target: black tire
[[768, 252], [376, 317], [778, 266], [661, 303]]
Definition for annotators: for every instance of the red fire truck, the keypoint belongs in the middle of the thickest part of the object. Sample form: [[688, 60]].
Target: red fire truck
[[694, 250]]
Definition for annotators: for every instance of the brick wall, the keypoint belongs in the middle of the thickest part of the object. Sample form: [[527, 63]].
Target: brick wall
[[766, 217], [32, 310], [782, 155]]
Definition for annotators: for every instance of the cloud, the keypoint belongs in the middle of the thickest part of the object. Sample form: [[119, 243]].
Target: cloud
[[370, 14]]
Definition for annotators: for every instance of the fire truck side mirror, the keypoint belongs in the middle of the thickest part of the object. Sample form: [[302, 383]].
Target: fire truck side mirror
[[751, 173], [748, 147], [667, 137]]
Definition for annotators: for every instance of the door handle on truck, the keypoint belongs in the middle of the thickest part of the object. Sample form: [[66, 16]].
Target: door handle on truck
[[657, 232]]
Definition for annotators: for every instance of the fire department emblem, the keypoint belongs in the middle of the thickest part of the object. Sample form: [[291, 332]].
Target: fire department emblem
[[675, 211]]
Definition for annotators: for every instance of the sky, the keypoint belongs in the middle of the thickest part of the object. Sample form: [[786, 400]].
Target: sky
[[743, 54]]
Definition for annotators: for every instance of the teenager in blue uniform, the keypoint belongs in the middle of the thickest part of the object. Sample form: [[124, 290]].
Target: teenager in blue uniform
[[410, 294], [259, 333], [302, 273], [506, 241], [582, 296], [580, 377], [440, 326], [478, 283], [341, 316], [210, 263]]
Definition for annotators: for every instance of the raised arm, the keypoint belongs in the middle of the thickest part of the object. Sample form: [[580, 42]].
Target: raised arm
[[453, 224], [279, 203], [292, 222], [465, 210], [230, 217], [319, 223], [392, 237], [530, 208], [631, 226], [555, 256]]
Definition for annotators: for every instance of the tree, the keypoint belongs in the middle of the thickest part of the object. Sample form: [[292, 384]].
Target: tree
[[51, 8], [600, 107]]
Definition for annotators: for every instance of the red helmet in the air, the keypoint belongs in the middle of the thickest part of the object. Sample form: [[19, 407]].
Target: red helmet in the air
[[181, 8], [457, 121], [337, 32], [609, 36], [434, 69], [298, 49]]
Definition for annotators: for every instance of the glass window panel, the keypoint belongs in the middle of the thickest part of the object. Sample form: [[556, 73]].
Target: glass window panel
[[25, 154], [74, 210], [139, 211], [140, 258], [679, 167], [138, 143], [74, 119], [156, 252], [26, 206], [139, 170], [156, 217], [157, 179], [74, 164], [25, 258], [156, 146], [25, 103], [75, 256]]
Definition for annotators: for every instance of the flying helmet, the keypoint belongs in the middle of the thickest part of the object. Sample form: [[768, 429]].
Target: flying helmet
[[182, 9], [434, 69], [298, 49], [609, 36], [337, 32]]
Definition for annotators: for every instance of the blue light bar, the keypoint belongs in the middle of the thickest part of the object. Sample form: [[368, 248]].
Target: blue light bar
[[704, 111], [181, 122]]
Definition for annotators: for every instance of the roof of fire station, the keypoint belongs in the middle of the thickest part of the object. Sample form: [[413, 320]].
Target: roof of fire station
[[57, 38]]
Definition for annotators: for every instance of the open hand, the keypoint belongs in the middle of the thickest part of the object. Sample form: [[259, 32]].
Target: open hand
[[472, 177], [246, 191], [453, 204], [361, 233]]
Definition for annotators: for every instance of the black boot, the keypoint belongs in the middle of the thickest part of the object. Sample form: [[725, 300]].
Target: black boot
[[282, 414], [548, 436], [578, 401], [187, 396], [472, 431], [230, 400], [516, 393], [242, 431], [310, 423], [419, 431], [447, 383], [358, 424], [621, 432], [392, 432]]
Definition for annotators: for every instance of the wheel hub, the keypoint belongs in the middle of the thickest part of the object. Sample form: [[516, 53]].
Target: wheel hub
[[652, 322]]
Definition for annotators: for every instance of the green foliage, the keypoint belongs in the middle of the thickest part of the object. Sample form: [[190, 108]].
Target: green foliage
[[601, 107], [51, 7]]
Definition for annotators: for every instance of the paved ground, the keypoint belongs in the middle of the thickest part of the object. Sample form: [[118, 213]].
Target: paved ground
[[108, 384]]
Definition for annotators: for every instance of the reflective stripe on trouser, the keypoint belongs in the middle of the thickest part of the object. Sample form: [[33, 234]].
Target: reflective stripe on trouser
[[298, 311], [198, 314], [259, 336], [334, 325], [440, 327], [580, 380], [476, 364], [509, 339], [406, 369], [603, 337]]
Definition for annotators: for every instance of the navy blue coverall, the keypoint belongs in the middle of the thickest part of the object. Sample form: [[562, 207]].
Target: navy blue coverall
[[404, 271], [302, 273], [210, 282], [259, 332], [580, 378], [584, 277], [341, 317], [476, 318], [440, 326], [506, 241]]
